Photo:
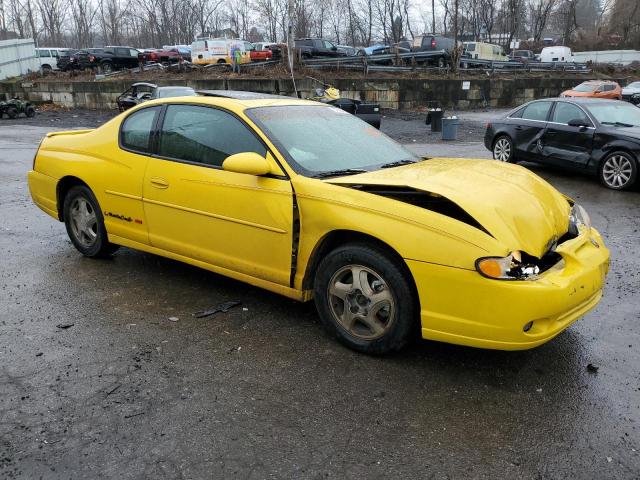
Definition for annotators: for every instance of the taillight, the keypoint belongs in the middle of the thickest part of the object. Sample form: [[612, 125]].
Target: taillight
[[433, 43], [91, 58]]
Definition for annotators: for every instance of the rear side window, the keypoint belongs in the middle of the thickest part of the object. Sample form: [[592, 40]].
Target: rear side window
[[135, 133], [471, 47], [205, 135], [608, 88], [564, 112], [536, 111]]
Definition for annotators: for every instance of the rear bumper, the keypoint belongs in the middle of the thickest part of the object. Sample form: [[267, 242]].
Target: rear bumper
[[462, 307], [43, 192]]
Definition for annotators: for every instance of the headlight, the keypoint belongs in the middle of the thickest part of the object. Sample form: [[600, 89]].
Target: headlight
[[510, 267], [578, 218]]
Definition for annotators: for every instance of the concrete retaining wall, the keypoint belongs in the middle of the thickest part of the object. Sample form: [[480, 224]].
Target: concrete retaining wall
[[390, 93]]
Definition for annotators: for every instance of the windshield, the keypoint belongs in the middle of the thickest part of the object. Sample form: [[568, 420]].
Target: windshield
[[586, 87], [621, 113], [319, 139], [634, 85]]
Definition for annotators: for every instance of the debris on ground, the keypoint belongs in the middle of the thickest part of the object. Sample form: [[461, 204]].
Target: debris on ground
[[113, 390], [39, 354], [134, 415], [592, 368], [173, 319], [221, 308], [64, 326]]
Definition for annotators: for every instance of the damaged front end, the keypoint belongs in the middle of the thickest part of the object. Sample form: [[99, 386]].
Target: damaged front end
[[520, 265]]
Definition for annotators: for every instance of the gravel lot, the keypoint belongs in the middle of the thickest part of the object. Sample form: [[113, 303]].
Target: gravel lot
[[125, 391]]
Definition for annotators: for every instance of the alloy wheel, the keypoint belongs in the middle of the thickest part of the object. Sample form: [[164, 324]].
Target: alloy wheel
[[502, 150], [361, 302], [617, 171], [84, 222]]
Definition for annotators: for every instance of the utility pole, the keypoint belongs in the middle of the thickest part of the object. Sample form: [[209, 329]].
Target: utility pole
[[290, 42], [433, 16]]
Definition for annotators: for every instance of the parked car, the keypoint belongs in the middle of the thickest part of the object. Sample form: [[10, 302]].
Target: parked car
[[388, 245], [142, 91], [218, 51], [373, 51], [432, 43], [522, 56], [595, 89], [112, 58], [595, 136], [631, 93], [257, 55], [556, 54], [168, 55], [483, 51], [79, 59], [348, 51], [276, 49], [48, 57], [317, 47]]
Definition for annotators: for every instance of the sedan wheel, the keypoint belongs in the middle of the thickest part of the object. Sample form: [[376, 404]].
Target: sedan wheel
[[361, 302], [618, 171], [357, 291], [85, 224], [503, 149]]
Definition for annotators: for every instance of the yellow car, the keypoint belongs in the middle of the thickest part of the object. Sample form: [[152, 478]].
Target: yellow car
[[308, 201]]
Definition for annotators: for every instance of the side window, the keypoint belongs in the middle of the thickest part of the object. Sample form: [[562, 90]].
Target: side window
[[536, 111], [133, 53], [55, 53], [609, 88], [566, 111], [135, 133], [517, 113], [328, 45], [205, 135]]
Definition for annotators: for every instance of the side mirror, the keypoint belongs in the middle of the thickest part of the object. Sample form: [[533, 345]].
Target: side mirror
[[250, 163], [334, 48], [577, 122]]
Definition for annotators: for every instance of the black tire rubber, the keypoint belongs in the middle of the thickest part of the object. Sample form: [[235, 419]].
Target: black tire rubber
[[400, 286], [107, 67], [102, 247], [442, 63], [634, 171], [12, 112], [30, 111], [508, 138]]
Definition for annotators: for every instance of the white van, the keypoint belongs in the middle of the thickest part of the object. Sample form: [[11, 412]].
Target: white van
[[484, 51], [208, 51], [48, 57], [556, 54]]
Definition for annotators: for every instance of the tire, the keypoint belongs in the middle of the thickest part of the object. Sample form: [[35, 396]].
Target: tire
[[370, 325], [503, 149], [12, 112], [618, 171], [107, 67], [85, 223], [442, 62], [46, 69], [30, 111]]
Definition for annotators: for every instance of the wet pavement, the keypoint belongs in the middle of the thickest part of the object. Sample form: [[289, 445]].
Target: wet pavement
[[136, 387]]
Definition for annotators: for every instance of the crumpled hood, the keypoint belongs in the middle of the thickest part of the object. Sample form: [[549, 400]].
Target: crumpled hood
[[515, 206]]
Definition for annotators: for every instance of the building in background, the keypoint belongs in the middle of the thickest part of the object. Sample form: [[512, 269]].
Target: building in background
[[17, 57]]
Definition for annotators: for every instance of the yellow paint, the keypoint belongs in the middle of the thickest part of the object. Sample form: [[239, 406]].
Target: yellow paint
[[242, 226]]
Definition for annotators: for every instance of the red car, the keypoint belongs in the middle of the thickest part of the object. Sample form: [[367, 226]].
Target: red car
[[257, 55], [168, 55]]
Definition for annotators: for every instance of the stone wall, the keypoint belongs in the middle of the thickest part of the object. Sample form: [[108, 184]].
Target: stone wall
[[399, 94]]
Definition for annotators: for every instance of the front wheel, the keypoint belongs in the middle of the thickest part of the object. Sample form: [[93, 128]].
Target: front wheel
[[12, 112], [30, 111], [85, 223], [365, 299], [619, 171], [503, 149]]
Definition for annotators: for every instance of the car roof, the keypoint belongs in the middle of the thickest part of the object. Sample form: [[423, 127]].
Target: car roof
[[238, 99], [581, 100]]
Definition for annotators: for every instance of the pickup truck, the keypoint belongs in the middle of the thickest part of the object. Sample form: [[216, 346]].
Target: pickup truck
[[257, 55], [317, 47], [112, 58]]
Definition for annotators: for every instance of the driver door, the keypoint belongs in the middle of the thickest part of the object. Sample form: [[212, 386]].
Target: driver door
[[565, 145], [195, 209]]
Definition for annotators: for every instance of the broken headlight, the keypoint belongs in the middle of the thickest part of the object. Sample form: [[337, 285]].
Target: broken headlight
[[578, 218], [511, 267]]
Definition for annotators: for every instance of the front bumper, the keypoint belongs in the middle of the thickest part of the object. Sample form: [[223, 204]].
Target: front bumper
[[462, 307]]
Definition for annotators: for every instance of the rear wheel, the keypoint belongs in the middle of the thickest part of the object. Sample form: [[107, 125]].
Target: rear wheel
[[85, 223], [619, 171], [107, 67], [442, 62], [503, 149], [30, 111], [365, 299], [12, 112]]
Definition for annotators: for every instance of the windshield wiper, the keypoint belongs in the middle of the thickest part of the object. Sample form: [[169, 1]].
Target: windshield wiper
[[618, 124], [398, 163], [339, 173]]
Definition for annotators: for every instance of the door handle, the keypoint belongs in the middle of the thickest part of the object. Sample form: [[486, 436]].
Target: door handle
[[518, 127], [159, 182]]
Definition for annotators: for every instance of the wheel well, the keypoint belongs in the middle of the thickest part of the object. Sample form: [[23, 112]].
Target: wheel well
[[619, 149], [497, 136], [64, 185], [338, 238], [222, 61]]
